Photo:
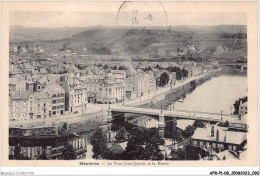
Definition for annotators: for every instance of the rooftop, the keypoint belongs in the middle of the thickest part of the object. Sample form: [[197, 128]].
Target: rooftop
[[230, 137], [41, 95], [54, 89], [21, 95]]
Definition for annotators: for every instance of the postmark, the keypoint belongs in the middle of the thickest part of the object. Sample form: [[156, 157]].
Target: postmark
[[141, 14]]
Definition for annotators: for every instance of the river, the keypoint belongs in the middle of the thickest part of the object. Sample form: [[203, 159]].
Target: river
[[215, 95]]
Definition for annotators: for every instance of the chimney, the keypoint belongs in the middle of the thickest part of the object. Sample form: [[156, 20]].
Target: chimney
[[217, 135], [212, 131]]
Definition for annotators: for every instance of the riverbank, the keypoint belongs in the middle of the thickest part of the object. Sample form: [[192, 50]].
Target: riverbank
[[180, 92], [233, 70]]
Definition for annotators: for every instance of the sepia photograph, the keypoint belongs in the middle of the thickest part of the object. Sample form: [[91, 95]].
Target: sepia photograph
[[130, 81]]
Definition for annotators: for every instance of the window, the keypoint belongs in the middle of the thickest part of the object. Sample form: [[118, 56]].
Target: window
[[38, 116], [213, 145], [38, 105], [194, 142], [229, 147], [201, 143], [54, 113], [234, 147], [44, 105], [221, 146], [54, 95], [53, 101]]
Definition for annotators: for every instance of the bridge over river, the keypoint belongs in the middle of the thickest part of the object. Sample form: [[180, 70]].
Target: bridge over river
[[161, 115]]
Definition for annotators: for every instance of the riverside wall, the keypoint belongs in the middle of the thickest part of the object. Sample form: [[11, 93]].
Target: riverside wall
[[163, 101]]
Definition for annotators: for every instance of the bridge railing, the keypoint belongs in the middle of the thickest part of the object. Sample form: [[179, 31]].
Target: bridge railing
[[198, 112]]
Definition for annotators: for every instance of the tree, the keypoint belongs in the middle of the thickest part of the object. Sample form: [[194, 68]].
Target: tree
[[164, 79], [199, 124], [114, 68], [121, 135], [68, 153], [189, 131], [237, 103], [193, 85], [147, 69], [180, 153], [144, 145], [121, 68], [184, 72], [152, 151], [99, 143], [105, 66], [17, 152], [177, 135], [135, 145]]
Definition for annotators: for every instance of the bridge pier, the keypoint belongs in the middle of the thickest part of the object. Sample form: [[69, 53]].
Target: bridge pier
[[109, 115], [161, 125]]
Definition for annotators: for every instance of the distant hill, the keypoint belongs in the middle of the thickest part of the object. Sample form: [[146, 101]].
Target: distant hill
[[147, 41]]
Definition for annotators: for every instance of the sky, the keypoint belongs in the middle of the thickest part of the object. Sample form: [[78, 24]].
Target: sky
[[52, 19]]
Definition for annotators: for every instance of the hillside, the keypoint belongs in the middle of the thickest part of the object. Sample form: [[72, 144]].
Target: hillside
[[147, 42]]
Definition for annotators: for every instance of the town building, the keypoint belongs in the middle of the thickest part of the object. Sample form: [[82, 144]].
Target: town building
[[47, 147], [242, 108], [27, 105], [21, 103], [75, 94], [17, 84], [139, 83], [57, 94], [43, 81], [107, 88], [218, 139], [42, 106]]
